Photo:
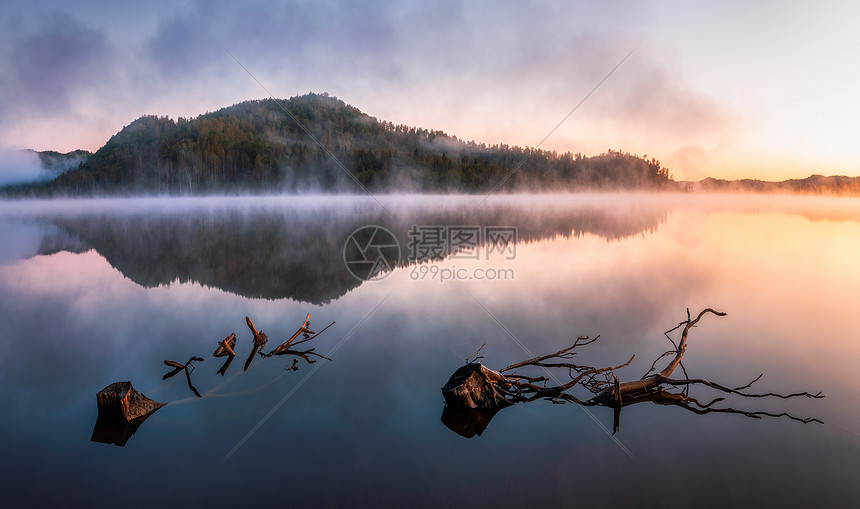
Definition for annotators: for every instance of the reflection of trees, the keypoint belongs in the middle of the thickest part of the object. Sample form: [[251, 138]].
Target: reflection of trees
[[475, 393], [296, 253]]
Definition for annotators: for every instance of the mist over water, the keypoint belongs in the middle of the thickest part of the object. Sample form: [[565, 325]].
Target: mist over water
[[21, 166], [98, 291]]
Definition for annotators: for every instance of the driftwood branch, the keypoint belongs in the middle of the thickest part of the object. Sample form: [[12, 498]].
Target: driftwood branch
[[474, 386], [681, 400], [690, 381], [564, 353], [529, 391], [226, 346], [188, 368], [260, 340], [651, 381], [474, 357], [286, 348]]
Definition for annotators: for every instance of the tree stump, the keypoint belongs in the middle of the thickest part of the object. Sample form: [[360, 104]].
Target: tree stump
[[474, 386], [119, 399]]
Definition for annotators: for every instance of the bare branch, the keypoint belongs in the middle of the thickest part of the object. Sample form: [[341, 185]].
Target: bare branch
[[719, 387], [564, 353], [499, 389], [654, 364], [314, 335], [286, 348], [187, 367], [472, 358], [174, 364], [756, 379]]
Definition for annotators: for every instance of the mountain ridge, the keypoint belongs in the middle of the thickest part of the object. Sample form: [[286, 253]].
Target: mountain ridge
[[318, 142], [814, 184]]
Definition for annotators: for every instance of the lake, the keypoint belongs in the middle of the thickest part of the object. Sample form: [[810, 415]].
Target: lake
[[98, 291]]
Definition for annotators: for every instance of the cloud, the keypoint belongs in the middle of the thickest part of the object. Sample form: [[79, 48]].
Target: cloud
[[491, 71], [689, 159], [48, 59], [291, 39], [655, 100]]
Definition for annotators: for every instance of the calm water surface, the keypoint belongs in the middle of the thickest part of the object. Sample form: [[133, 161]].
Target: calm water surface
[[98, 291]]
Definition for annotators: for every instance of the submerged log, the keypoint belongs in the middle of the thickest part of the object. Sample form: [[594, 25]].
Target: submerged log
[[119, 399], [474, 386]]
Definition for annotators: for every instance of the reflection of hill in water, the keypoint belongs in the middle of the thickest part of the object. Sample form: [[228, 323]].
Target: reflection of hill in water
[[293, 252]]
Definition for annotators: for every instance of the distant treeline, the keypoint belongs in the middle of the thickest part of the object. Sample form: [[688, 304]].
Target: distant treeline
[[317, 142], [814, 184]]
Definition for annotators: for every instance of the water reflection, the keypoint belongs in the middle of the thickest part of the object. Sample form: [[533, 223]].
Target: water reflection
[[470, 422], [368, 423], [111, 429], [297, 252], [467, 422], [188, 368]]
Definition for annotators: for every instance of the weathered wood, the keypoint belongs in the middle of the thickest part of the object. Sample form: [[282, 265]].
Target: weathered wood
[[564, 353], [475, 386], [517, 387], [260, 340], [260, 337], [188, 368], [652, 381], [286, 348], [225, 346], [251, 326], [119, 399]]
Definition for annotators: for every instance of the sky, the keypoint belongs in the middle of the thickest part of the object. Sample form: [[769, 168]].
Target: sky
[[725, 89]]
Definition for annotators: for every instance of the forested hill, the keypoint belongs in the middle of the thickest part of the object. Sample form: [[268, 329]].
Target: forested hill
[[257, 146]]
